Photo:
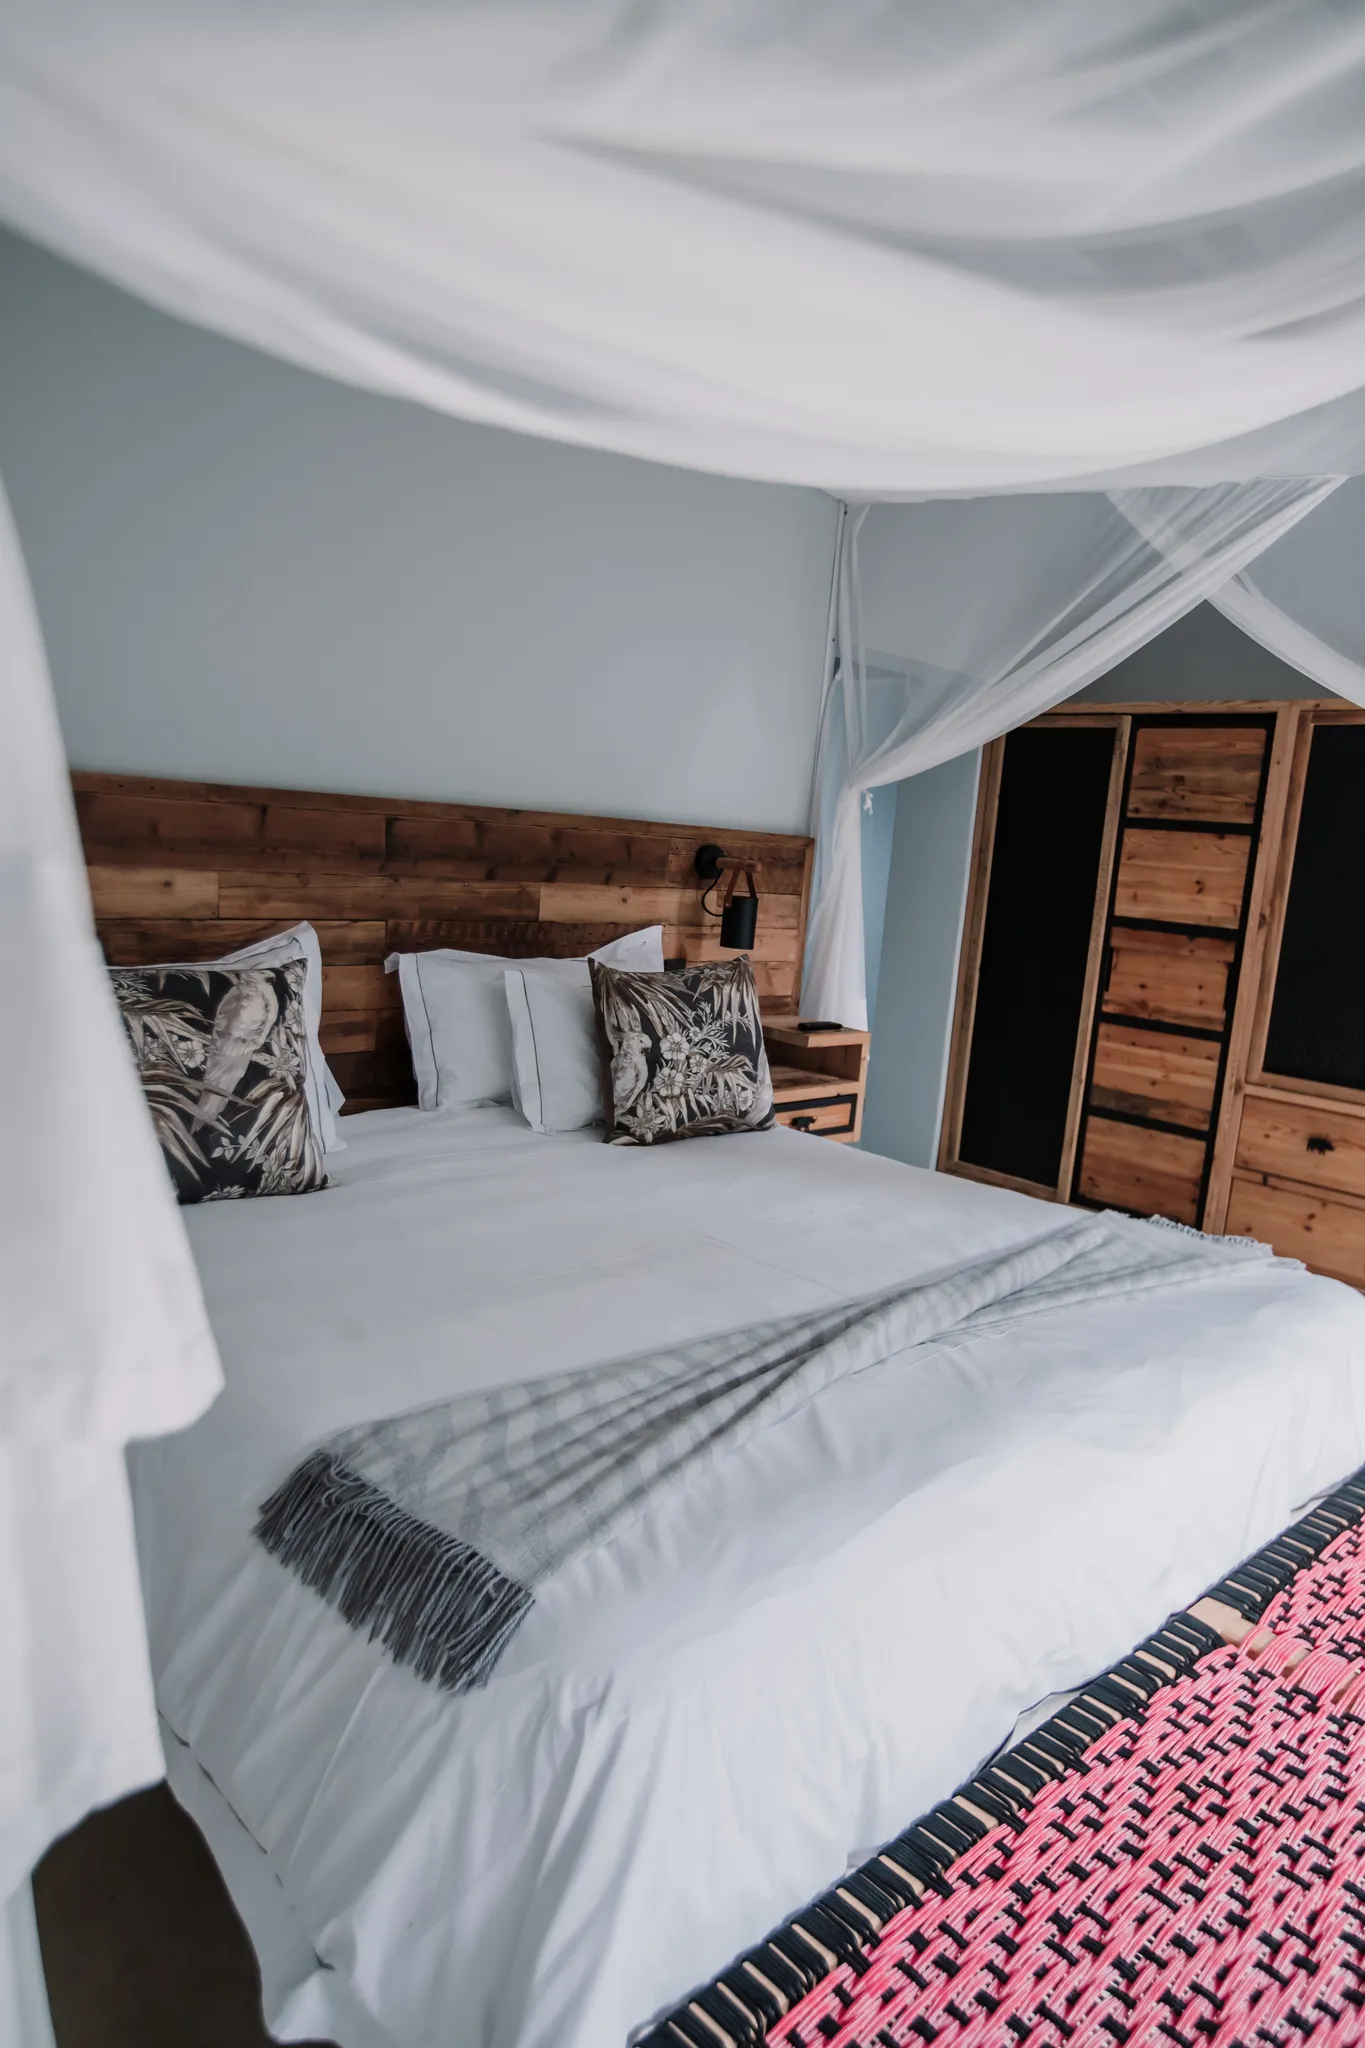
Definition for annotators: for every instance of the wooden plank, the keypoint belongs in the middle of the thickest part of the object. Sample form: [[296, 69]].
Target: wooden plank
[[90, 781], [513, 938], [1327, 1235], [1320, 1147], [779, 867], [322, 838], [166, 826], [1125, 1166], [593, 903], [1156, 1074], [359, 988], [1168, 976], [132, 942], [313, 896], [590, 903], [706, 945], [153, 892], [1184, 877], [1208, 772]]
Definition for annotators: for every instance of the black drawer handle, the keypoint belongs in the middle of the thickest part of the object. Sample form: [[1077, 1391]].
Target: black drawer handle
[[1320, 1144], [802, 1123]]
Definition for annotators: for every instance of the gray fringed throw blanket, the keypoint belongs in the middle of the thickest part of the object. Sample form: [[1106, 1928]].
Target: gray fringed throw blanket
[[432, 1531]]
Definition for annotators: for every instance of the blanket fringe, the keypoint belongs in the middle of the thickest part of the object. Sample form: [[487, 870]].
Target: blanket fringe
[[434, 1603]]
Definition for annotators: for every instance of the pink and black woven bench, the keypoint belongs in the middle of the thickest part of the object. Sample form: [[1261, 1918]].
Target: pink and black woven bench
[[1177, 1856]]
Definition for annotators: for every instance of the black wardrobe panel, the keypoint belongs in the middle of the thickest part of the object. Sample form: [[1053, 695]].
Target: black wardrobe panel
[[1049, 834], [1317, 1019]]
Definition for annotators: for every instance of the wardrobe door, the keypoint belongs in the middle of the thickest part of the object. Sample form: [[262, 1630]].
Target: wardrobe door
[[1042, 839], [1317, 1012], [1177, 923], [1298, 1174]]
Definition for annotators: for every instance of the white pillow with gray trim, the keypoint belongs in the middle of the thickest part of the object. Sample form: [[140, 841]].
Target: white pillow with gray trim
[[556, 1072], [456, 1016]]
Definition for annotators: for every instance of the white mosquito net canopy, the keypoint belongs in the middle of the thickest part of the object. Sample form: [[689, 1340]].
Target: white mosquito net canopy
[[1082, 285]]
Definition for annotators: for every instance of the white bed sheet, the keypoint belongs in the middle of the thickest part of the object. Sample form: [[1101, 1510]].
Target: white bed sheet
[[705, 1722]]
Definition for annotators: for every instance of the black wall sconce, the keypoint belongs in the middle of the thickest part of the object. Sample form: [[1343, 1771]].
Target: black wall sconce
[[738, 914]]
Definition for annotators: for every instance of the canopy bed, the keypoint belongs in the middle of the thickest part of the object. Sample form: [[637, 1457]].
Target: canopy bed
[[1076, 302]]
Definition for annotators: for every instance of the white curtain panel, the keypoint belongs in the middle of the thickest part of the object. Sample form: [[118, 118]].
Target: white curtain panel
[[103, 1333], [997, 609], [1304, 598], [926, 248]]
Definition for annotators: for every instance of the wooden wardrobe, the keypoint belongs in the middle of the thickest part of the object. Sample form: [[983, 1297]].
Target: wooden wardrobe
[[1161, 995]]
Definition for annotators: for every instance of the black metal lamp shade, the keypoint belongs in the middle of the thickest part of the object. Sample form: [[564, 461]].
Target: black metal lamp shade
[[738, 914], [739, 922]]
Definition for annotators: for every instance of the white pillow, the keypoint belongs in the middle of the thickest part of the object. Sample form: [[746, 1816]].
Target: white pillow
[[300, 942], [456, 1017], [556, 1073]]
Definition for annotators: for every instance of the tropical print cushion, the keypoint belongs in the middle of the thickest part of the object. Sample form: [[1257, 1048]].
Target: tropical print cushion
[[223, 1052], [682, 1053]]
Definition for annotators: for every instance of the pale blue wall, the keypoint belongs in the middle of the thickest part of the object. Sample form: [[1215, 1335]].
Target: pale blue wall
[[247, 573], [927, 889]]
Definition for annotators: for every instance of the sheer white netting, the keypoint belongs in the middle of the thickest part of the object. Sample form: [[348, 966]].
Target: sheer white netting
[[997, 608], [929, 247], [1304, 598], [103, 1334]]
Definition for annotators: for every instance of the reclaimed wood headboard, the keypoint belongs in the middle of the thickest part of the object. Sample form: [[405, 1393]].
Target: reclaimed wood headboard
[[187, 870]]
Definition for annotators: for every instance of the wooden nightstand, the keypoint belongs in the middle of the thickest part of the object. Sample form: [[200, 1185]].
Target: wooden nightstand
[[819, 1078]]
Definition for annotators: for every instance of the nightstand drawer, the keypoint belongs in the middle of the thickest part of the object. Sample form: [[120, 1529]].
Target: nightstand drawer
[[1321, 1145], [825, 1116]]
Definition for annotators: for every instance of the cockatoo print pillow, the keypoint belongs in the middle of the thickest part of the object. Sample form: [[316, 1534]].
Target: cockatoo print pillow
[[222, 1053], [682, 1053]]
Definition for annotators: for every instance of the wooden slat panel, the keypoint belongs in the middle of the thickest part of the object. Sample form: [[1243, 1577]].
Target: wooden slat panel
[[1188, 771], [166, 825], [575, 903], [1186, 877], [1328, 1236], [1152, 1172], [153, 892], [1156, 1074], [1170, 977], [589, 903], [1322, 1146], [292, 896], [705, 945], [779, 866], [359, 988], [514, 938], [129, 942], [366, 1030], [523, 851], [322, 838]]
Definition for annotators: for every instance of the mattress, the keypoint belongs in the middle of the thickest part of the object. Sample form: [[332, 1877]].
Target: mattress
[[707, 1720]]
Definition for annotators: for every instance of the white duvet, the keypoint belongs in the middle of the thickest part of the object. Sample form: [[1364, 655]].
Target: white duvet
[[705, 1722]]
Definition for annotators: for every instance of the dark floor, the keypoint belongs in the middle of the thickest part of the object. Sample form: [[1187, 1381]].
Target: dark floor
[[140, 1942]]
